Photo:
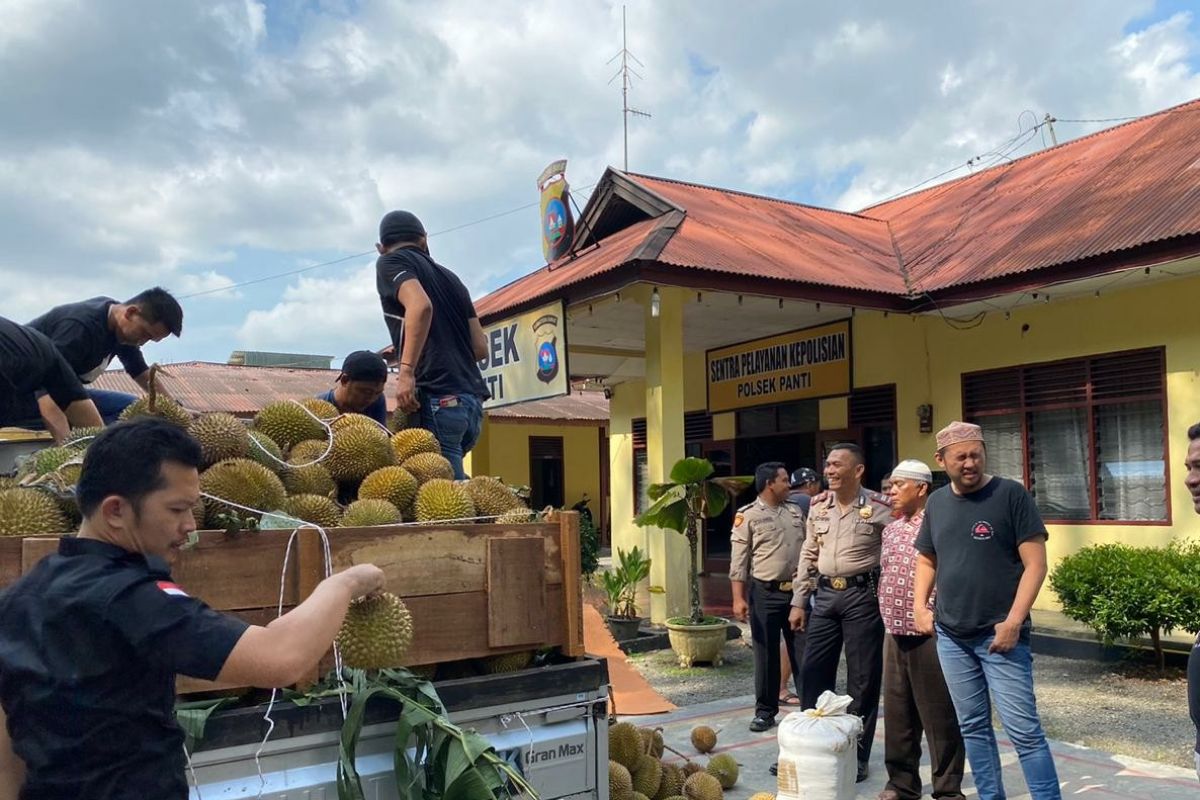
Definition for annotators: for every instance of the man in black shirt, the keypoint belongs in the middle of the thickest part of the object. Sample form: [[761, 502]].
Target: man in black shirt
[[30, 364], [1192, 481], [90, 333], [436, 334], [91, 638]]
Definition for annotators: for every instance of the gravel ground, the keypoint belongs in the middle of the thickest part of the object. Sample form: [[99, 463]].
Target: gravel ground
[[1103, 706]]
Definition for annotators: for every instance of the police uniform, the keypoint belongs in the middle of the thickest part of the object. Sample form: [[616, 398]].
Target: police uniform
[[765, 544], [841, 551], [90, 642]]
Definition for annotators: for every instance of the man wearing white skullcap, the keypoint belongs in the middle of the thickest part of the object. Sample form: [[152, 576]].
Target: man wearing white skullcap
[[914, 691]]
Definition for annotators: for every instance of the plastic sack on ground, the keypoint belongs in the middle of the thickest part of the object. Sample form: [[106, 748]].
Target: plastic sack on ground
[[818, 751]]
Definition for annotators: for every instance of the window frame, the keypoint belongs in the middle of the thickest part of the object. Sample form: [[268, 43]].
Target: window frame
[[1090, 404]]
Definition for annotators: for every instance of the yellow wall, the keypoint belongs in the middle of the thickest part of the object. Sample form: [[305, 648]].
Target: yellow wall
[[503, 451], [925, 357]]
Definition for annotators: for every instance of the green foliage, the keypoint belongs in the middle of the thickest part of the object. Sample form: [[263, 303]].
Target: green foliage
[[589, 545], [620, 583], [1127, 592]]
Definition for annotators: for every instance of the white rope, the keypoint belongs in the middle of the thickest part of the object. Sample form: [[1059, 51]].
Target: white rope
[[328, 426]]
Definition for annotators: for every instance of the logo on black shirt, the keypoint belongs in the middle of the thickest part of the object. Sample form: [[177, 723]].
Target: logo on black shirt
[[982, 531]]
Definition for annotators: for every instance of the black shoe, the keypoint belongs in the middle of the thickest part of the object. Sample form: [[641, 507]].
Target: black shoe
[[759, 724], [774, 770], [862, 772]]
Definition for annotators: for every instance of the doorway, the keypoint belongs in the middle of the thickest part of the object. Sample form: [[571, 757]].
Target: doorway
[[546, 473]]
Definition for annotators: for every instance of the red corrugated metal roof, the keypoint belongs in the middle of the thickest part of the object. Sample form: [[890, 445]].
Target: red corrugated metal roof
[[578, 407]]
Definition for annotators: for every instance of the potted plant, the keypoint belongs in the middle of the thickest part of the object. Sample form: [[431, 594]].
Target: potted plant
[[692, 494], [620, 585]]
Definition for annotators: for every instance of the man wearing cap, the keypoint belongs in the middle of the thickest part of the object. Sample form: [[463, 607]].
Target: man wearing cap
[[805, 484], [436, 334], [841, 550], [983, 545], [765, 546], [360, 386], [914, 691]]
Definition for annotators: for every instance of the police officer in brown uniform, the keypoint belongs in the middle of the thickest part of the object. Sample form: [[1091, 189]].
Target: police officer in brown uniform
[[765, 548], [841, 549]]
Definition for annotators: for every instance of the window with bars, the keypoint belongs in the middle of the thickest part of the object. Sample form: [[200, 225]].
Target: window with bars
[[697, 427], [1086, 436]]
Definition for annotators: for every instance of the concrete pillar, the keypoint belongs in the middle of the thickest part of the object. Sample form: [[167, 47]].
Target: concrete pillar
[[664, 444]]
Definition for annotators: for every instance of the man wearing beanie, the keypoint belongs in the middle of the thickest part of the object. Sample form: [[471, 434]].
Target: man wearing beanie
[[914, 690], [983, 544], [360, 386], [436, 335]]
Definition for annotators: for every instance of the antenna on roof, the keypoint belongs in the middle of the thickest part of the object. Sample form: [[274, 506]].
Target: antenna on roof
[[624, 74]]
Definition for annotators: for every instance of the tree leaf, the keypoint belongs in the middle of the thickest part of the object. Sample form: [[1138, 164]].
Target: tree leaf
[[691, 470], [715, 499]]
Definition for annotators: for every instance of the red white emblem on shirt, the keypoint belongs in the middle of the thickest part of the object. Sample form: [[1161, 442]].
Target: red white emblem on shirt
[[173, 589]]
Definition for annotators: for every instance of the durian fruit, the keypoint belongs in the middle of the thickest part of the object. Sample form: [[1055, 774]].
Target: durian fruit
[[516, 516], [702, 786], [164, 407], [358, 449], [314, 508], [647, 776], [310, 451], [427, 466], [27, 512], [704, 738], [672, 782], [675, 797], [322, 408], [241, 481], [411, 441], [653, 741], [198, 515], [625, 744], [287, 423], [309, 479], [397, 420], [376, 632], [81, 438], [691, 768], [639, 796], [46, 460], [394, 484], [370, 512], [265, 451], [442, 500], [762, 796], [8, 482], [491, 497], [620, 782], [221, 436], [724, 768], [509, 662]]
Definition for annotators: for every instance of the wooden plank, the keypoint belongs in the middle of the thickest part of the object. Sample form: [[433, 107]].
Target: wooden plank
[[35, 548], [432, 560], [516, 610], [238, 572], [10, 559], [310, 569], [572, 572]]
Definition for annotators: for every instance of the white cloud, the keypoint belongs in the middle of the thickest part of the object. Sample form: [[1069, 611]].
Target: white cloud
[[209, 282]]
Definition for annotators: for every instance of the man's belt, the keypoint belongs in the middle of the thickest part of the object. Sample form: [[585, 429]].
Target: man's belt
[[775, 586], [839, 583]]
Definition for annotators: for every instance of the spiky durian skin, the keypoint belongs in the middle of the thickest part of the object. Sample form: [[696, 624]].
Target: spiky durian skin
[[309, 451], [648, 776], [672, 781], [371, 512], [47, 460], [241, 481], [314, 508], [704, 738], [427, 466], [309, 479], [490, 496], [394, 484], [410, 441], [508, 662], [358, 450], [376, 632], [287, 422], [221, 436], [702, 786], [265, 451], [442, 500], [724, 768], [81, 438], [620, 782], [30, 512], [321, 408], [625, 744], [653, 740], [163, 407], [516, 516]]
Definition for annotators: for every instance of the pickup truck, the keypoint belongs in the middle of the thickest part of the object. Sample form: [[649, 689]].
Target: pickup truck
[[550, 723]]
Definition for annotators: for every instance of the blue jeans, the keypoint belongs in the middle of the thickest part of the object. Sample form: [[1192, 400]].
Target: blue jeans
[[971, 671], [456, 427], [110, 404]]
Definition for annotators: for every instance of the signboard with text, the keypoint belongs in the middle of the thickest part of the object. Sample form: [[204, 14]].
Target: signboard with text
[[527, 357], [800, 365]]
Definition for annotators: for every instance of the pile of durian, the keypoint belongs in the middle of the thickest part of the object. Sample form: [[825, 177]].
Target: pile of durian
[[285, 461], [637, 771]]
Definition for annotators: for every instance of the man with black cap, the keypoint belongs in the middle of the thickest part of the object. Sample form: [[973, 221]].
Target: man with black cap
[[436, 335], [360, 386], [805, 485]]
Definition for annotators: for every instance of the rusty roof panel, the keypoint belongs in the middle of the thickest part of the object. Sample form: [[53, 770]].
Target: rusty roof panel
[[578, 407]]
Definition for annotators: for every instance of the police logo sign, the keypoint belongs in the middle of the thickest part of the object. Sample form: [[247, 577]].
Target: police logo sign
[[525, 359]]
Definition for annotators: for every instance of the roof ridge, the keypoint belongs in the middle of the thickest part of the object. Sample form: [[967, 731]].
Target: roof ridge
[[1176, 109], [780, 200]]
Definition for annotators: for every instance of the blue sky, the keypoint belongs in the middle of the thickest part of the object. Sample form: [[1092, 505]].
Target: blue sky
[[201, 144]]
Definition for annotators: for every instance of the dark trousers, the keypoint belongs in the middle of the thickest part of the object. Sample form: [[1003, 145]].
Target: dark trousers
[[769, 609], [916, 700], [849, 617]]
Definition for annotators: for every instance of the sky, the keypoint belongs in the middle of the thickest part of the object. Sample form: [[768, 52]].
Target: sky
[[206, 143]]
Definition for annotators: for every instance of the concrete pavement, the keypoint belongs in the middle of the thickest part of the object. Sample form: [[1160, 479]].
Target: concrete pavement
[[1082, 771]]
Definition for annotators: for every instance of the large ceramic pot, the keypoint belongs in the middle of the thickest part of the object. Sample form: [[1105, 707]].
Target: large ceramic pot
[[623, 628], [697, 643]]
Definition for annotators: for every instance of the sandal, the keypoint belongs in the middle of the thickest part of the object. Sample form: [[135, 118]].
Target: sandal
[[789, 699]]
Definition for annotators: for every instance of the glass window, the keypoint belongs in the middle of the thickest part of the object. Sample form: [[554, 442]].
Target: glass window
[[1129, 458], [1005, 454], [1059, 473]]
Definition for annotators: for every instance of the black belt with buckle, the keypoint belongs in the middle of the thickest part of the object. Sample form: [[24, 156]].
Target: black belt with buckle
[[775, 586], [839, 583]]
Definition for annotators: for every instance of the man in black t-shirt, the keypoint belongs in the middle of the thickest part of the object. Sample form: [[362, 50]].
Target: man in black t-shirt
[[29, 365], [92, 637], [1192, 481], [984, 544], [436, 335], [91, 333]]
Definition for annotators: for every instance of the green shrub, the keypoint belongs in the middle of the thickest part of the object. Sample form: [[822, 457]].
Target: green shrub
[[589, 545], [1126, 592]]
